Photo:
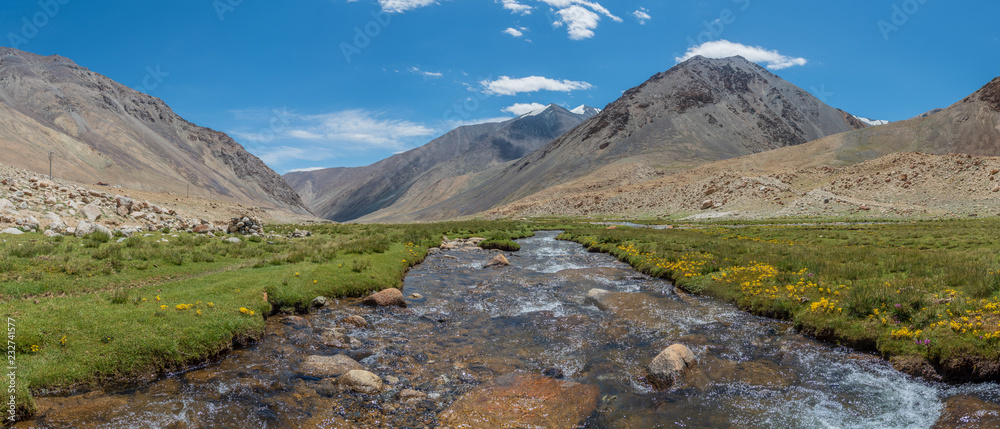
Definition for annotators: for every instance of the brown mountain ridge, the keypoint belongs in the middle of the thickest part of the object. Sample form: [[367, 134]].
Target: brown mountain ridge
[[101, 131]]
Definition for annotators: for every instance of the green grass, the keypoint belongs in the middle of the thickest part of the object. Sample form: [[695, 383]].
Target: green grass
[[929, 289], [92, 311]]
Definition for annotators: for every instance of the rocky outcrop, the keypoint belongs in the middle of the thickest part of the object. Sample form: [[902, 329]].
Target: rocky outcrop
[[328, 366], [391, 297], [668, 366], [361, 381], [498, 261], [968, 412], [523, 401]]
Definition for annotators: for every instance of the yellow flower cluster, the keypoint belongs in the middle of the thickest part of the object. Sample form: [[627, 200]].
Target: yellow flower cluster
[[825, 306], [689, 264], [246, 311], [906, 333], [184, 306], [759, 240]]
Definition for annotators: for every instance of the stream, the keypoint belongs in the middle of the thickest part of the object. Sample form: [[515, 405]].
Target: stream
[[465, 327]]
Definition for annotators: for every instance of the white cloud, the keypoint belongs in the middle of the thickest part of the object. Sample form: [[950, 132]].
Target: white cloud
[[508, 86], [305, 170], [344, 130], [514, 32], [417, 70], [725, 49], [514, 7], [580, 17], [522, 108], [400, 6], [642, 15]]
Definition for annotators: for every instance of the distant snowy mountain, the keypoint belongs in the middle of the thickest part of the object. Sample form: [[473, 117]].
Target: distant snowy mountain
[[872, 122], [586, 110]]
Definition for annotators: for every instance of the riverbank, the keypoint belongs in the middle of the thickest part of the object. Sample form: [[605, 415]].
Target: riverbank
[[926, 295], [100, 310]]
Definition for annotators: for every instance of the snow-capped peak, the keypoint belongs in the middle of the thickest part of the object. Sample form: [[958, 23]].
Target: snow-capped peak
[[872, 122], [586, 110]]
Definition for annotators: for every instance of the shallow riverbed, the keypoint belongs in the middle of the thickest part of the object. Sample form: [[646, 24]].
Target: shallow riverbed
[[467, 326]]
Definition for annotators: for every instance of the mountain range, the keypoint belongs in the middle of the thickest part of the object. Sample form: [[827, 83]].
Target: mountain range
[[699, 111], [99, 131], [427, 175], [707, 138]]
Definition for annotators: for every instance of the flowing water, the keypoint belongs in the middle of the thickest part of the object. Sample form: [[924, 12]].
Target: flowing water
[[469, 325]]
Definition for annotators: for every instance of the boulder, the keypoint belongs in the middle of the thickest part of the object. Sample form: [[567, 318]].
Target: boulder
[[361, 381], [523, 401], [202, 229], [12, 231], [968, 412], [669, 365], [234, 240], [410, 395], [707, 204], [5, 204], [355, 320], [91, 211], [498, 261], [319, 301], [83, 228], [122, 211], [328, 366], [338, 340], [594, 297], [391, 297]]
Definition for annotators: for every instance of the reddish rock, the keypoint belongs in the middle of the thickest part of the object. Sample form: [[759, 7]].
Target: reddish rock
[[391, 297], [523, 401], [202, 229], [968, 412], [354, 320], [498, 261]]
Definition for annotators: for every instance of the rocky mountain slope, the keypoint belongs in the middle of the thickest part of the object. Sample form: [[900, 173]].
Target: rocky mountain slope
[[101, 131], [941, 164], [431, 173], [699, 111], [30, 202]]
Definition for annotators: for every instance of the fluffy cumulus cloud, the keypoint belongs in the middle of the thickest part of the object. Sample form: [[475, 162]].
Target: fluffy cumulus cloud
[[514, 32], [522, 108], [580, 17], [642, 15], [514, 7], [399, 6], [510, 86], [724, 49]]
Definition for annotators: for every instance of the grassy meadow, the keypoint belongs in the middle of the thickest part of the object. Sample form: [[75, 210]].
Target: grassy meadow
[[929, 289], [93, 310]]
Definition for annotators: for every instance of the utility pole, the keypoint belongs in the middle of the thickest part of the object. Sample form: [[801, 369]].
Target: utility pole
[[189, 190], [50, 165]]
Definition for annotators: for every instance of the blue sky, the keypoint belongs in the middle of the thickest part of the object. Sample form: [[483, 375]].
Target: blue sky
[[325, 83]]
